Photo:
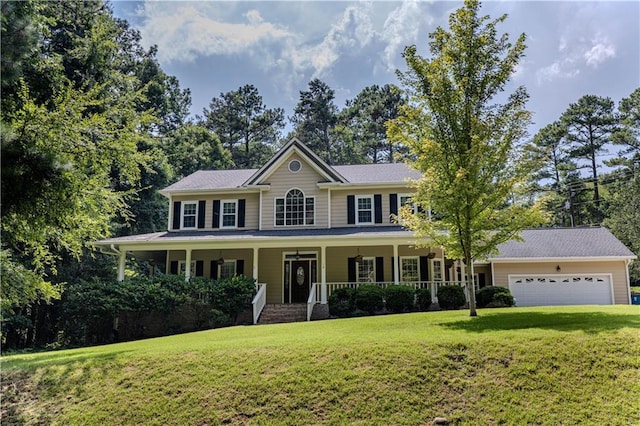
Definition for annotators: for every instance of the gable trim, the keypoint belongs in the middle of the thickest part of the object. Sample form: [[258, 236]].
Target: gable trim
[[295, 146]]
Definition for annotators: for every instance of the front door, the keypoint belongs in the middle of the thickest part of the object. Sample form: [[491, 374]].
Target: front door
[[299, 281]]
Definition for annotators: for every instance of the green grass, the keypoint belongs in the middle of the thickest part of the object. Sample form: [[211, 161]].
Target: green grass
[[577, 365]]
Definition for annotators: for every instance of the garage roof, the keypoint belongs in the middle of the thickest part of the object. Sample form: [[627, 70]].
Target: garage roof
[[564, 243]]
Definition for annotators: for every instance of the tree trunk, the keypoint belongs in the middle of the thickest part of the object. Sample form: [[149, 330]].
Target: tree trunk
[[471, 287]]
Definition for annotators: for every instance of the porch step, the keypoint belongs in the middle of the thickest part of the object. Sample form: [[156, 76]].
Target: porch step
[[280, 313]]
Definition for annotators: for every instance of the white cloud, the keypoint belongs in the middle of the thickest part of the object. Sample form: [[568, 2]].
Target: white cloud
[[353, 31], [400, 29], [184, 31], [601, 50], [558, 69]]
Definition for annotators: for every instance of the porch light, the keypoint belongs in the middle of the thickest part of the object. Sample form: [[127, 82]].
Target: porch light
[[431, 254], [558, 269], [358, 257], [221, 260], [297, 255]]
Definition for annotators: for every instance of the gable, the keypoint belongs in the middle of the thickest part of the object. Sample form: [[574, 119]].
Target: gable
[[325, 171]]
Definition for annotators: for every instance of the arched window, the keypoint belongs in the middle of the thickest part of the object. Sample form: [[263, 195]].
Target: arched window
[[295, 209]]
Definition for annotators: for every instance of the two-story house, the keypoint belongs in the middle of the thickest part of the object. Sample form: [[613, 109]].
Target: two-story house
[[302, 228]]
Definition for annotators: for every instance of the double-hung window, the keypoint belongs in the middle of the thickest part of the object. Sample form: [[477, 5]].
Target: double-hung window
[[366, 270], [229, 213], [405, 200], [182, 267], [364, 209], [295, 209], [436, 267], [409, 269], [189, 214], [227, 269]]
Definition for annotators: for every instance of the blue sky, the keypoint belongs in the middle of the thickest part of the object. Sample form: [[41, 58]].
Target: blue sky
[[574, 48]]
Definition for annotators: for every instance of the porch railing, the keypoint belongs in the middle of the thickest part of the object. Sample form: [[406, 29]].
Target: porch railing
[[313, 299], [259, 300], [433, 287]]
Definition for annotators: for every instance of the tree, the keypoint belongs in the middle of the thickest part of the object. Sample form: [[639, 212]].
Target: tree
[[366, 116], [465, 145], [557, 176], [623, 217], [590, 123], [192, 148], [245, 126], [628, 135], [315, 117]]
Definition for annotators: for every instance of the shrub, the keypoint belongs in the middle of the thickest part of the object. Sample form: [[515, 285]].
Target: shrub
[[233, 295], [369, 298], [423, 298], [399, 298], [451, 297], [494, 296], [342, 302]]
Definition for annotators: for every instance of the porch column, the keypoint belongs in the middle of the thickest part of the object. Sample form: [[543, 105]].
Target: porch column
[[396, 260], [323, 275], [187, 266], [122, 259], [255, 262]]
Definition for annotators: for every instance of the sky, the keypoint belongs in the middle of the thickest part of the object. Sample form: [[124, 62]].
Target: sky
[[574, 48]]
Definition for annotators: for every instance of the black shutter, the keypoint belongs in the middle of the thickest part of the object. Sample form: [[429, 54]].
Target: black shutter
[[202, 207], [380, 269], [240, 267], [351, 209], [424, 268], [351, 269], [216, 213], [482, 280], [199, 268], [393, 206], [377, 203], [176, 214], [174, 267], [393, 269], [241, 206], [213, 274]]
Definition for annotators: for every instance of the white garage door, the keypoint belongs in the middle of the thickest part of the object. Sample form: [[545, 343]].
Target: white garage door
[[553, 290]]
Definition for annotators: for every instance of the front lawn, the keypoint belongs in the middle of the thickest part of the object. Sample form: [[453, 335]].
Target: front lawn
[[570, 365]]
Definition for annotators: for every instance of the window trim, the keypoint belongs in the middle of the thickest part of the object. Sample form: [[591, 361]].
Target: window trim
[[222, 214], [372, 210], [417, 259], [299, 164], [373, 270], [195, 215], [304, 209]]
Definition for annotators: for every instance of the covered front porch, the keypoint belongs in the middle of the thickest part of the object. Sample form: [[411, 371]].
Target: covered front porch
[[293, 268]]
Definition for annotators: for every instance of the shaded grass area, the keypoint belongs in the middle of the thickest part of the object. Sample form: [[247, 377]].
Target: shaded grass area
[[577, 365]]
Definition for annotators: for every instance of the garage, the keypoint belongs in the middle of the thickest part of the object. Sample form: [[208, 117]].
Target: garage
[[555, 290]]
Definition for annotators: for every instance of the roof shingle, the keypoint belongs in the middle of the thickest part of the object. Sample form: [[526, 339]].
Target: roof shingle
[[563, 242]]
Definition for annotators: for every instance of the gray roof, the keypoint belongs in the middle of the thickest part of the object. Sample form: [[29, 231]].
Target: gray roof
[[212, 179], [234, 235], [564, 243], [380, 172], [356, 174]]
